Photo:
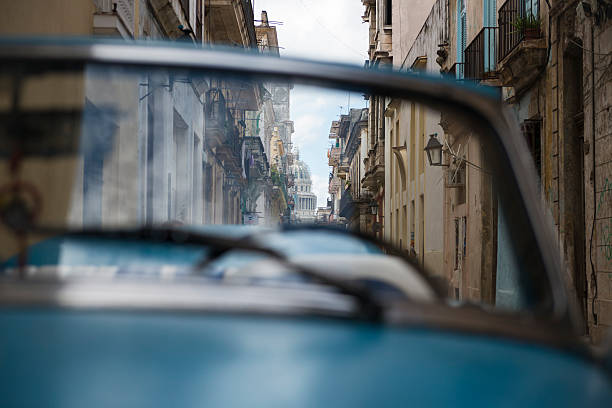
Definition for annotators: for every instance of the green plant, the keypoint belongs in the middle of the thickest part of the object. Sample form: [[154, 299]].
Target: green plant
[[275, 176], [529, 21]]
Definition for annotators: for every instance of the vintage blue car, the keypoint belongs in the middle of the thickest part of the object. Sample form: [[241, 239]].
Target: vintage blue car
[[119, 285]]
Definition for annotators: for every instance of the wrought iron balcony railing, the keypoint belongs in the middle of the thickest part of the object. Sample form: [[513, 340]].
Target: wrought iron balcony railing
[[456, 71], [518, 20], [480, 55]]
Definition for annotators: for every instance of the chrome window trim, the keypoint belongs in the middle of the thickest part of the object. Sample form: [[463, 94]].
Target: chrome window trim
[[135, 296], [483, 106], [186, 295]]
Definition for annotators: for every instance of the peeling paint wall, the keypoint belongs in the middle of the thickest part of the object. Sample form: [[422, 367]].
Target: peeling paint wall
[[597, 98]]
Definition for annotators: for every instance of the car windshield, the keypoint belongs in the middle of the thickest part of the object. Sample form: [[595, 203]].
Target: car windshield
[[91, 146], [187, 140]]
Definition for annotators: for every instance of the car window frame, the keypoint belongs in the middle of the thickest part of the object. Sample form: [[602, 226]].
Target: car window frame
[[481, 106]]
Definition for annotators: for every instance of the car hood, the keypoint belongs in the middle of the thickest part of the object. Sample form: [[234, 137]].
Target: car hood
[[100, 359]]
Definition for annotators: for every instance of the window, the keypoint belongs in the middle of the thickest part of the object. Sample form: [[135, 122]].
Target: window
[[412, 136], [398, 229], [422, 228], [488, 15], [422, 142], [461, 30], [404, 221], [531, 132], [456, 243], [388, 12], [101, 129], [412, 214], [208, 192], [199, 19], [460, 241], [180, 183]]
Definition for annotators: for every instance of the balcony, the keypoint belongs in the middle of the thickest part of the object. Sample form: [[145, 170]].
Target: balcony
[[343, 167], [521, 46], [170, 14], [518, 20], [231, 22], [114, 18], [334, 185], [347, 207], [217, 119], [374, 168], [334, 156], [256, 166], [480, 56], [222, 135], [334, 130]]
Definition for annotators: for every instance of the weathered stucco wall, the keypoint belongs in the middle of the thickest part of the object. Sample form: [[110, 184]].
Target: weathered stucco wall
[[408, 19], [597, 98]]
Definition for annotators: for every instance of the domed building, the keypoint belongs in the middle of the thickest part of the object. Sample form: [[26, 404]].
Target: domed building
[[305, 207]]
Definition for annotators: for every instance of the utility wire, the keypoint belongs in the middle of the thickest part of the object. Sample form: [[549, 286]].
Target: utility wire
[[591, 51], [317, 19]]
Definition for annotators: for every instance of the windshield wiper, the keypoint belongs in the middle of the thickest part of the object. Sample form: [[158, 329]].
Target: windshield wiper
[[369, 308]]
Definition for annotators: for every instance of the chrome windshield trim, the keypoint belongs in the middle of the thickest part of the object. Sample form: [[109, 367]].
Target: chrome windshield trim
[[201, 298], [188, 295], [484, 108]]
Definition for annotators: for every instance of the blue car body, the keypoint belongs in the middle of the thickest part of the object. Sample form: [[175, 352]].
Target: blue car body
[[94, 358], [102, 359]]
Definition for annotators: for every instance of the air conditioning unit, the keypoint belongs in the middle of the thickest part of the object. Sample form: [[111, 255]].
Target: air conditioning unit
[[455, 176]]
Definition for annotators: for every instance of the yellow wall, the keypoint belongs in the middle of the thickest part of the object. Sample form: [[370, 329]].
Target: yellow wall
[[50, 17]]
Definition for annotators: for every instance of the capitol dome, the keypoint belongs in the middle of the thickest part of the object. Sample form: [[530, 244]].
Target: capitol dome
[[305, 200], [300, 171]]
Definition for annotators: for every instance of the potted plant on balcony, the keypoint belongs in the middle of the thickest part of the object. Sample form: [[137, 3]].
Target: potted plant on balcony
[[529, 25]]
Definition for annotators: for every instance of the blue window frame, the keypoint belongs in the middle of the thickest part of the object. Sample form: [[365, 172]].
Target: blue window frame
[[489, 20], [461, 35]]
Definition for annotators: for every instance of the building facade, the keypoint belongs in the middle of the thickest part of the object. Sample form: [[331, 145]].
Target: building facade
[[273, 126], [350, 202], [379, 16], [200, 153], [355, 200], [414, 201], [550, 61]]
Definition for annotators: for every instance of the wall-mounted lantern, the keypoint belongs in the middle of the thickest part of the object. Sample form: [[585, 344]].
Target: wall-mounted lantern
[[434, 151]]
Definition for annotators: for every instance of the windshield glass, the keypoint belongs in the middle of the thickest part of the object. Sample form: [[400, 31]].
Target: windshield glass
[[108, 146]]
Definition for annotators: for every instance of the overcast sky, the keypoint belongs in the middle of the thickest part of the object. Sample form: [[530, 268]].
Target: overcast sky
[[329, 30]]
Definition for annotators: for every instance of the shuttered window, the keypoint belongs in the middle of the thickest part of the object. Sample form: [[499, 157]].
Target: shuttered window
[[489, 11], [461, 30]]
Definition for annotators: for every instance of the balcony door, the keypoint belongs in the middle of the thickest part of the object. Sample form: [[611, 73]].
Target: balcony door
[[531, 9]]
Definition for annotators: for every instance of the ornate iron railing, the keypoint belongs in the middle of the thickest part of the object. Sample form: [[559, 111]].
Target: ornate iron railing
[[518, 20], [456, 71], [480, 55]]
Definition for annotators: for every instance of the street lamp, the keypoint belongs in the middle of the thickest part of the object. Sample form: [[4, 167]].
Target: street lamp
[[434, 151], [434, 154], [373, 207]]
